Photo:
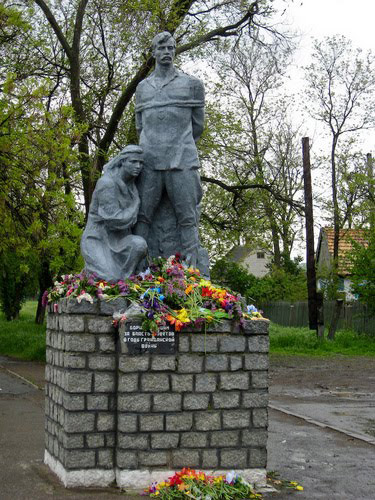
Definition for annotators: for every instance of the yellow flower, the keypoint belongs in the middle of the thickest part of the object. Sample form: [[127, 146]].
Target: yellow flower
[[205, 283], [183, 316], [188, 289], [299, 488], [293, 483], [218, 479]]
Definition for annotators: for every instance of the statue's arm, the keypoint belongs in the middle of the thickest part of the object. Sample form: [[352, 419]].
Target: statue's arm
[[198, 122], [198, 112], [138, 122], [110, 211], [138, 114]]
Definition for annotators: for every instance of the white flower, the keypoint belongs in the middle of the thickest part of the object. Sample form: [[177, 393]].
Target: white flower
[[231, 476], [145, 273], [85, 296]]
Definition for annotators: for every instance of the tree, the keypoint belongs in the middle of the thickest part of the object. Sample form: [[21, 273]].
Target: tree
[[363, 272], [70, 73], [37, 179], [278, 284], [252, 167], [89, 51], [17, 280], [340, 92]]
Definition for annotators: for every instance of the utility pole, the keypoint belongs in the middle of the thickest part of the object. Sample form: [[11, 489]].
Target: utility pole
[[310, 251], [371, 190]]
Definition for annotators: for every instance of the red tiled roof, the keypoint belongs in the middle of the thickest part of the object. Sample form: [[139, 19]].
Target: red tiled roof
[[346, 237]]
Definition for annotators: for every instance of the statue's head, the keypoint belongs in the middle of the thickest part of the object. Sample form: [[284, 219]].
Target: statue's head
[[128, 163], [163, 48]]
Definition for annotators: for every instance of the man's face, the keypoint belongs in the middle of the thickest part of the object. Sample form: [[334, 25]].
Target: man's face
[[164, 52], [132, 165]]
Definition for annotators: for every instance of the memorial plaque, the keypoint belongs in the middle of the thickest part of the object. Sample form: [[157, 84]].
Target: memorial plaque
[[138, 341]]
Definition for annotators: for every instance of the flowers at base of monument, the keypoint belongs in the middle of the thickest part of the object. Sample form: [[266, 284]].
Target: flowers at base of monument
[[189, 483], [118, 318], [274, 480], [169, 292], [254, 312]]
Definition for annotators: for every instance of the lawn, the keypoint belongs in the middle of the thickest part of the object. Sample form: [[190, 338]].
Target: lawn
[[24, 339], [302, 341]]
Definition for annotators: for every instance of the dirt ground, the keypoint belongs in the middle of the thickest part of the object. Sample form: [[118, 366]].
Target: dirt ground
[[321, 430], [338, 373], [330, 446]]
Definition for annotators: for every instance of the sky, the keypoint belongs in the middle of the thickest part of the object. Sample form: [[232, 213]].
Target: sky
[[321, 18], [318, 19]]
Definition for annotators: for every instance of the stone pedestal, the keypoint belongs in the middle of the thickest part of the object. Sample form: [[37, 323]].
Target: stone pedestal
[[136, 418]]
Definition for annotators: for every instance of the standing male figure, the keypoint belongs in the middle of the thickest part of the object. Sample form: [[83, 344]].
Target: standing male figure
[[169, 121]]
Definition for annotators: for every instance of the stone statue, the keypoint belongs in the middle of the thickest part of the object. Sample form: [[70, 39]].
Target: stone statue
[[108, 246], [169, 121]]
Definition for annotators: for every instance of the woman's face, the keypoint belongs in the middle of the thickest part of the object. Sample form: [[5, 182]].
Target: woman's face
[[131, 165]]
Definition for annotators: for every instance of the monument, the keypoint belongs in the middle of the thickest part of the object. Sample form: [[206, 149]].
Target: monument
[[130, 407], [109, 248]]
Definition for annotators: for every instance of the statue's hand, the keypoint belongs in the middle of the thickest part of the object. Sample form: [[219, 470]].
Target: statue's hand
[[191, 259]]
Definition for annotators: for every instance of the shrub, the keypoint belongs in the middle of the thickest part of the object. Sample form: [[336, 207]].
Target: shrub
[[16, 281]]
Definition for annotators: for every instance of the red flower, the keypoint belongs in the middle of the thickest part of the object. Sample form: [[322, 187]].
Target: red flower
[[206, 292]]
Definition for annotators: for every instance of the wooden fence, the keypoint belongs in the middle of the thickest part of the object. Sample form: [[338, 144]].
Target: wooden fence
[[354, 316]]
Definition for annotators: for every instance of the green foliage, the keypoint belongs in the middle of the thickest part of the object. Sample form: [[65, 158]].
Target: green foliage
[[250, 152], [278, 284], [329, 282], [22, 338], [290, 340], [39, 210], [17, 280], [363, 272]]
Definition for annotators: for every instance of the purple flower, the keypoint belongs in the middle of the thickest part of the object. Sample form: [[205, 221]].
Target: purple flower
[[45, 299]]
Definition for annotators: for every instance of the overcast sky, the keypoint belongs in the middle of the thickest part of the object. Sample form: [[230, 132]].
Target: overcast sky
[[319, 18]]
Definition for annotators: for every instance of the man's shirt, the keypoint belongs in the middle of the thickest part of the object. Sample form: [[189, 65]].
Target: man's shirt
[[169, 119]]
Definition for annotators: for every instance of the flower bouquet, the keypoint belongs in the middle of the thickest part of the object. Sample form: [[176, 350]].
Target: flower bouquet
[[189, 483], [168, 292]]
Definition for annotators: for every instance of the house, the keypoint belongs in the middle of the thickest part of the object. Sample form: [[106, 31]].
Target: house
[[324, 256], [255, 260]]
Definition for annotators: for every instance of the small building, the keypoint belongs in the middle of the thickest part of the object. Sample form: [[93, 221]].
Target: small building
[[324, 256], [256, 261]]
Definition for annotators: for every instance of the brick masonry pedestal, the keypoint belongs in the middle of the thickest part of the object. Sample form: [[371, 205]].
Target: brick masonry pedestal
[[112, 416]]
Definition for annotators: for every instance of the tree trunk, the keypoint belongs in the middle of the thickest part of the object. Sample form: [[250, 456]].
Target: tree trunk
[[336, 239], [371, 191], [320, 315], [335, 319], [310, 253], [45, 282]]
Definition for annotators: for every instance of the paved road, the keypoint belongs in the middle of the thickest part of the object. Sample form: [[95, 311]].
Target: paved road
[[329, 464]]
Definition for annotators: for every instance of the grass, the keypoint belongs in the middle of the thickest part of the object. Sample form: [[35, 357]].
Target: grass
[[302, 341], [22, 338]]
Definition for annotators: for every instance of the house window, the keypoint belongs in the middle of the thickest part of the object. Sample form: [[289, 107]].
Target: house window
[[260, 255]]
